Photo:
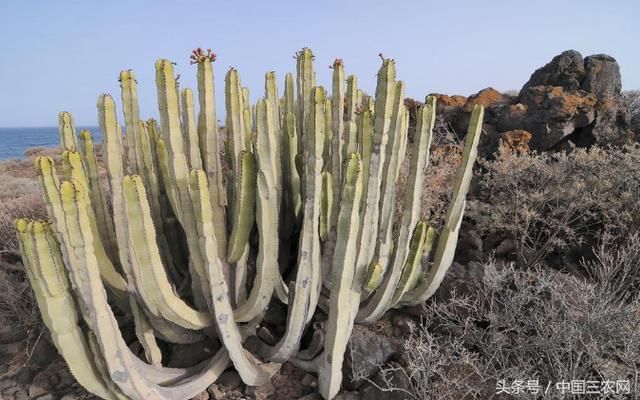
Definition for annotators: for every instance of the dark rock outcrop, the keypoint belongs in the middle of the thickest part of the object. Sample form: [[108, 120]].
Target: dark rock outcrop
[[602, 76], [565, 69], [570, 102]]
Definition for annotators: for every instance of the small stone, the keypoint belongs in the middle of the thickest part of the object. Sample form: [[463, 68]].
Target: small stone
[[36, 391], [309, 380], [202, 396], [10, 391], [21, 395], [47, 396], [348, 396], [215, 392], [229, 379], [505, 247], [403, 323], [311, 396], [266, 336], [261, 392], [6, 383]]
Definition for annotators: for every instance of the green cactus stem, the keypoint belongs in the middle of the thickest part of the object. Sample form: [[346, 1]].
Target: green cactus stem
[[67, 131], [340, 320], [243, 212], [131, 111], [326, 205], [267, 217], [209, 146], [45, 269], [449, 234], [383, 298], [306, 286]]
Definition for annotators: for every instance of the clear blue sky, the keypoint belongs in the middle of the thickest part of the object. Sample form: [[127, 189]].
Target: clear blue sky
[[60, 54]]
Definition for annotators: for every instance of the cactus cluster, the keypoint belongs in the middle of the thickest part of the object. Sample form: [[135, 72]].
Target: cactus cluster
[[193, 241]]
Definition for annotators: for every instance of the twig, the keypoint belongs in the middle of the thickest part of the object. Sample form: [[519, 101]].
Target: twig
[[11, 267], [33, 348]]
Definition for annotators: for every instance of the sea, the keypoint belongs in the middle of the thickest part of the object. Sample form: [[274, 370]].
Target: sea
[[15, 141]]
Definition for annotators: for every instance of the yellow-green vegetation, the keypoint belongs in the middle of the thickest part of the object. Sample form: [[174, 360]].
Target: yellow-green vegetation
[[303, 204]]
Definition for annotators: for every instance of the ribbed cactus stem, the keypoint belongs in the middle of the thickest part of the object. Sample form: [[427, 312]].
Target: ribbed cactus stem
[[67, 131], [45, 269], [303, 294], [337, 130], [412, 268], [448, 238], [365, 139], [352, 98], [236, 135], [340, 320], [351, 135], [305, 82], [247, 117], [111, 277], [290, 173], [243, 211], [326, 205], [148, 171], [113, 150], [289, 98], [271, 97], [152, 283], [131, 111], [382, 123], [210, 149], [384, 299], [251, 370], [190, 129], [121, 364], [267, 216], [373, 277], [145, 334], [98, 198], [179, 172], [328, 136], [392, 162]]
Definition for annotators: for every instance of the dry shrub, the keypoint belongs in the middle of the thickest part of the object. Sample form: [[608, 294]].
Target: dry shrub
[[555, 204], [18, 308], [33, 152], [19, 198], [536, 324], [438, 177], [20, 320], [632, 97], [24, 168]]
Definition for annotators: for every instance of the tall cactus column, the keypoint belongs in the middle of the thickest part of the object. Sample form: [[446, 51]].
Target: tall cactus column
[[209, 143]]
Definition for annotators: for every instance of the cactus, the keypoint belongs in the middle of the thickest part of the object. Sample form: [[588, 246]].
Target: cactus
[[195, 246]]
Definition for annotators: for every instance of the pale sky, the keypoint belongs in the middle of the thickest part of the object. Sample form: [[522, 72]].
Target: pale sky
[[60, 54]]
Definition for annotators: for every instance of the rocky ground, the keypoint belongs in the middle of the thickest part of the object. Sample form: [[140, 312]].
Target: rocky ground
[[43, 375]]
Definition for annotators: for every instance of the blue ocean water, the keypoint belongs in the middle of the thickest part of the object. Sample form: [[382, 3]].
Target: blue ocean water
[[14, 141]]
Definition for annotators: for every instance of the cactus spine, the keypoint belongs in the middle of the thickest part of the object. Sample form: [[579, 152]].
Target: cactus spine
[[193, 251]]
